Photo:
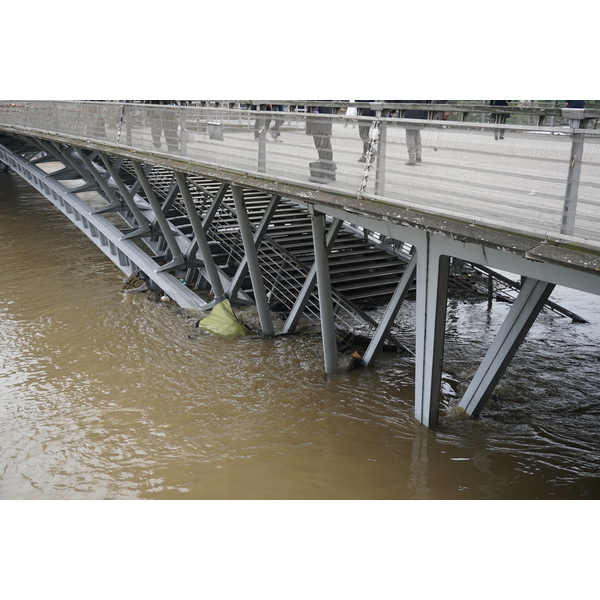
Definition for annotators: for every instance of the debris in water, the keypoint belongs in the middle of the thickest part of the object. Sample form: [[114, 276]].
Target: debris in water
[[354, 361], [134, 284]]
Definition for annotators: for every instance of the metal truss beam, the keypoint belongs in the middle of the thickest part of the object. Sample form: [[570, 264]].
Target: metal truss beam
[[260, 296], [114, 202], [178, 260], [310, 282], [259, 235], [144, 228], [511, 334], [68, 152], [125, 254], [200, 239], [388, 318], [324, 290], [432, 290]]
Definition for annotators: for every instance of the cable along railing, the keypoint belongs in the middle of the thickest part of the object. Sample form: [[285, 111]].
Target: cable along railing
[[531, 178]]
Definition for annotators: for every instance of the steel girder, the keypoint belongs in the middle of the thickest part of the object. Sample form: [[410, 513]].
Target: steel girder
[[432, 255], [124, 253], [515, 327], [430, 262], [260, 296]]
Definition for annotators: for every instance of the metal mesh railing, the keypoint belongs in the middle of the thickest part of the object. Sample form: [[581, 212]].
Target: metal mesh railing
[[517, 182]]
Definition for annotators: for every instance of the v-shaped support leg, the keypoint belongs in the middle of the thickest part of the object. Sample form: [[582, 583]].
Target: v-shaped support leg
[[511, 334]]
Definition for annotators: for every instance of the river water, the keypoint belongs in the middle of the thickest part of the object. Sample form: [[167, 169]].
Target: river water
[[105, 395]]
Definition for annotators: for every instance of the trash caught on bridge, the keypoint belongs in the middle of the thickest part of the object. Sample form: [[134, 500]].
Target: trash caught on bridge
[[222, 321], [134, 283]]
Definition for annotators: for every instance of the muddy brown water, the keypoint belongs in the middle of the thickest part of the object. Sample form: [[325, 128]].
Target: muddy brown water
[[111, 396]]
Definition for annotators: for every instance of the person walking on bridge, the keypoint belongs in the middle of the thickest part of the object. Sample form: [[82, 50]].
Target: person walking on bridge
[[164, 120], [413, 134], [322, 171], [364, 129], [499, 118], [275, 131], [574, 104]]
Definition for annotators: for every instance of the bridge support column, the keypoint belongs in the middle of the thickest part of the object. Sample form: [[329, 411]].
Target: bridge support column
[[390, 312], [432, 292], [260, 296], [201, 241], [511, 334], [324, 286], [309, 283]]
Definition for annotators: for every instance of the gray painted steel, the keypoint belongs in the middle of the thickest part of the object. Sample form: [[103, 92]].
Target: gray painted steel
[[324, 286], [124, 253], [507, 341], [260, 296], [200, 239], [434, 235]]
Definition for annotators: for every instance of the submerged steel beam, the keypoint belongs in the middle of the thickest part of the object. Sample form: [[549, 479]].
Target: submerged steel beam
[[432, 290], [511, 334], [200, 238], [310, 281], [260, 296], [324, 287]]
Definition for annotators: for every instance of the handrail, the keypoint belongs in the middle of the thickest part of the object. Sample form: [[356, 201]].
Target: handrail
[[539, 180]]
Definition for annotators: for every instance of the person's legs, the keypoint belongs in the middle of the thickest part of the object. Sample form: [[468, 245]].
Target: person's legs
[[169, 126], [411, 146], [501, 131], [363, 131], [155, 127], [276, 129], [325, 151]]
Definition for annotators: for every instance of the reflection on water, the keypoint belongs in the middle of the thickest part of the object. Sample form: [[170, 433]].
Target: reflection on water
[[105, 395]]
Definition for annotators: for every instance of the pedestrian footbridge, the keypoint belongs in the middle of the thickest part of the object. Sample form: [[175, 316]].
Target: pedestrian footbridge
[[315, 214]]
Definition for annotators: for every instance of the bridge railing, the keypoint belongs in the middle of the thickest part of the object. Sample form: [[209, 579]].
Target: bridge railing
[[526, 178]]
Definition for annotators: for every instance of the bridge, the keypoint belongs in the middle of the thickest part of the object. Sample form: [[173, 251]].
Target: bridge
[[316, 214]]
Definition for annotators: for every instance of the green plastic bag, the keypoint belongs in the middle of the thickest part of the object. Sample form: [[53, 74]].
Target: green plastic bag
[[223, 321]]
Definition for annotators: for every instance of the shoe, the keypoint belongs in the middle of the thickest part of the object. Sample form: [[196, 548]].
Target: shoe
[[419, 158], [411, 162], [363, 159], [277, 139]]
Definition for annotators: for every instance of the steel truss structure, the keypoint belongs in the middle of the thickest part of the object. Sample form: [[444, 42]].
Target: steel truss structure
[[187, 233]]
